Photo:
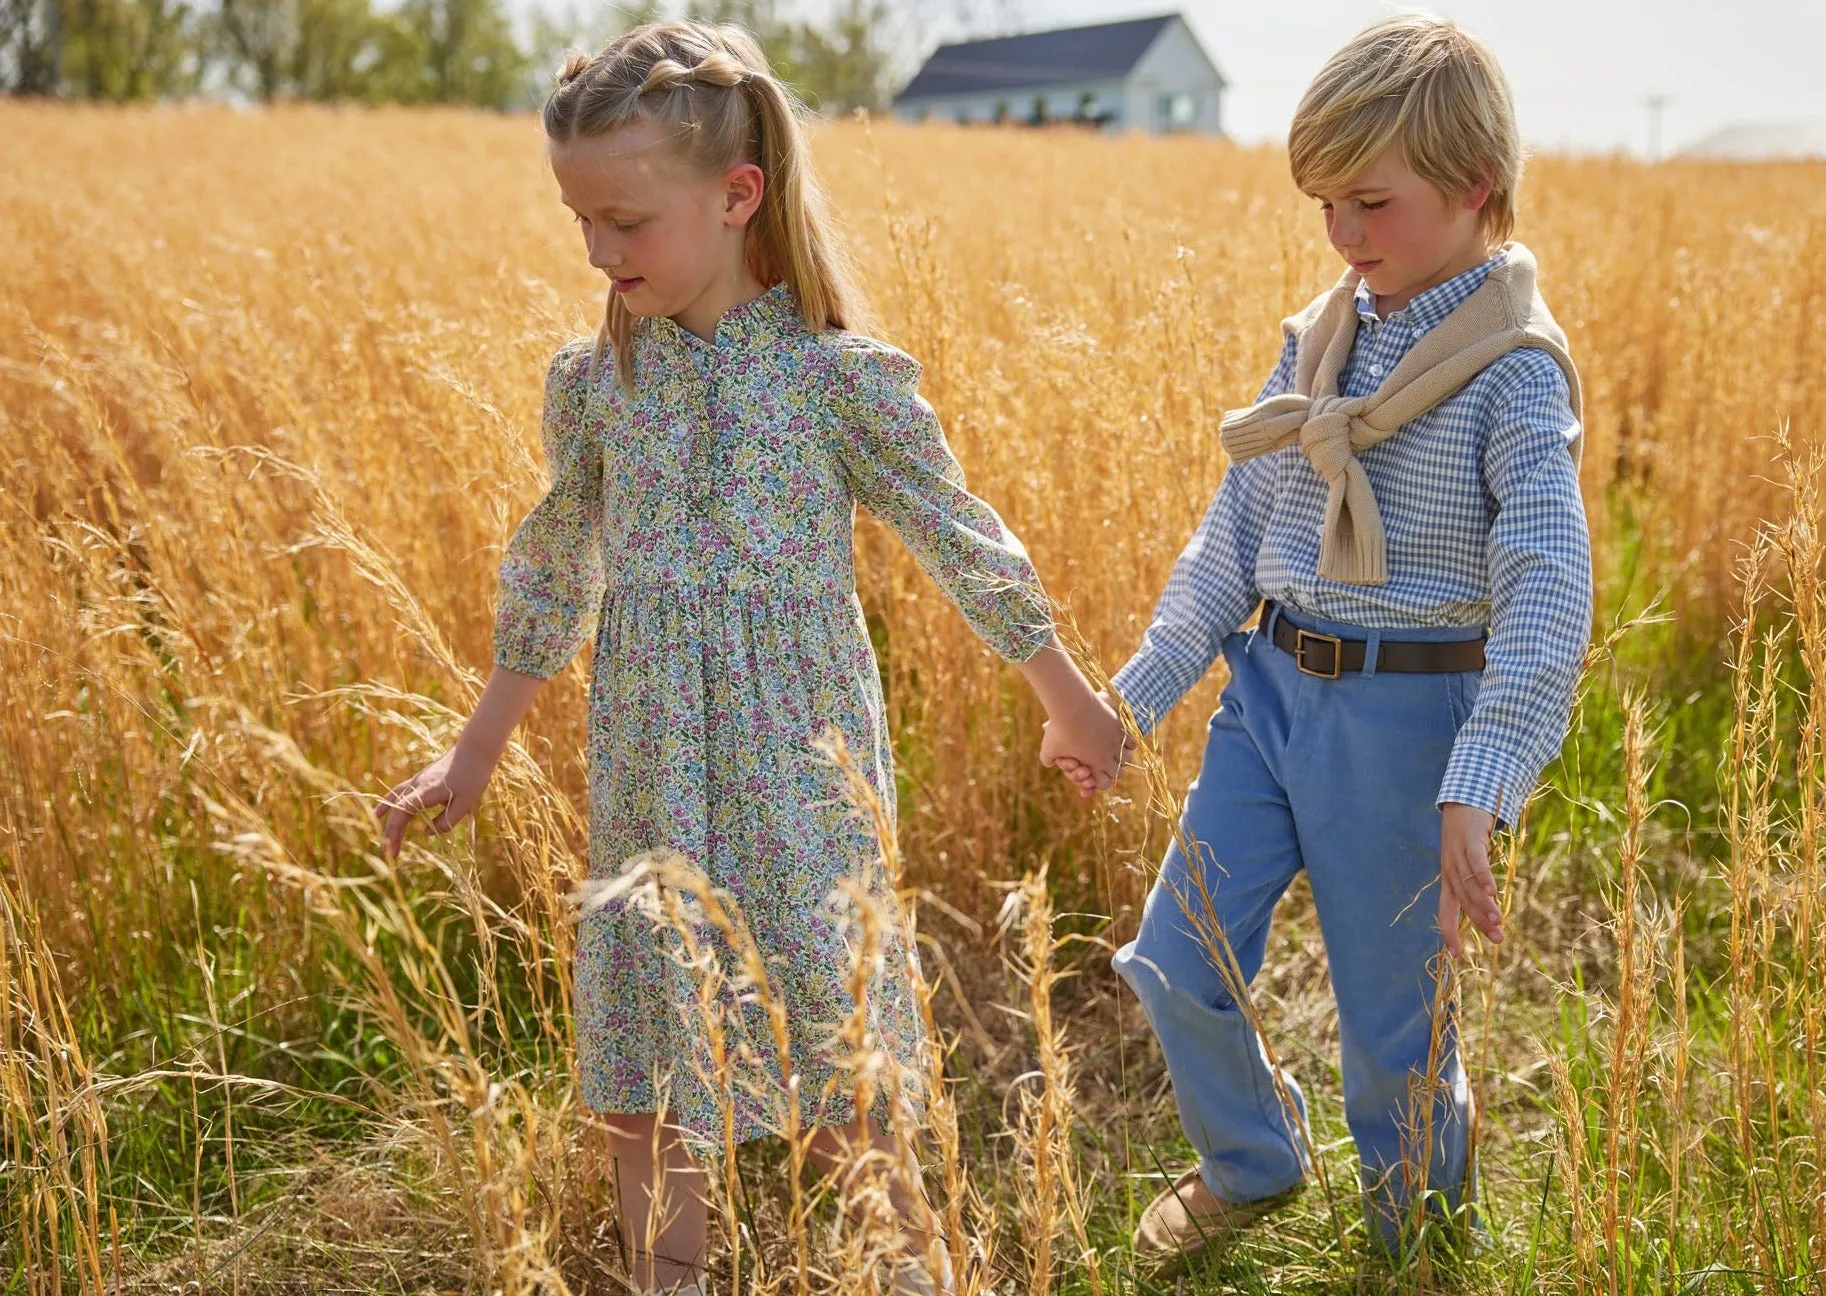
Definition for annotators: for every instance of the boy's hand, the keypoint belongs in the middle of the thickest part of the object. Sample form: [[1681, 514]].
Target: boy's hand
[[1467, 887], [454, 781], [1076, 747]]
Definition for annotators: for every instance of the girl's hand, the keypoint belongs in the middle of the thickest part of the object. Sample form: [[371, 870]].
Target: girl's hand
[[1083, 774], [1087, 744], [1467, 887], [454, 781]]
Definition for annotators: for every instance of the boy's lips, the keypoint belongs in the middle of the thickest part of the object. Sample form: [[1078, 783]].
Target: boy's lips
[[1364, 267]]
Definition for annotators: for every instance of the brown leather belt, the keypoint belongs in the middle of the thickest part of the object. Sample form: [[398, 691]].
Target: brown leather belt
[[1329, 656]]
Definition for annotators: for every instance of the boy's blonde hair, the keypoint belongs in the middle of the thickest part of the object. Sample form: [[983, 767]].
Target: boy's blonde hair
[[1430, 89], [712, 86]]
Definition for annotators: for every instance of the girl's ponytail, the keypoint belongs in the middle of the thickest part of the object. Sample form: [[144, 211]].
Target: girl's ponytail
[[790, 237]]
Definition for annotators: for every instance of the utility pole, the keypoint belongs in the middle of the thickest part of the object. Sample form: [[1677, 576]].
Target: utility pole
[[1656, 102]]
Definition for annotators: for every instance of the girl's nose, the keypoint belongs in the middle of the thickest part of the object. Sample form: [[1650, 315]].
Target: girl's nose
[[601, 255]]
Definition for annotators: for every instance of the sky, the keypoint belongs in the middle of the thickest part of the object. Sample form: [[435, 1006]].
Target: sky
[[1582, 71]]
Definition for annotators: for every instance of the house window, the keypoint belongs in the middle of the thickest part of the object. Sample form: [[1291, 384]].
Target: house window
[[963, 116], [1087, 106], [1178, 111]]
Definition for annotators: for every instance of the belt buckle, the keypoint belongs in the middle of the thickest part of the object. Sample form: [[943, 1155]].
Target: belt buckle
[[1299, 653]]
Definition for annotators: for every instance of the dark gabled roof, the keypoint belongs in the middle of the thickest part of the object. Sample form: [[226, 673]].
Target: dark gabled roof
[[1100, 53]]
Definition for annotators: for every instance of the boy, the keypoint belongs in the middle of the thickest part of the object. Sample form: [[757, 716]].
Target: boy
[[1408, 476]]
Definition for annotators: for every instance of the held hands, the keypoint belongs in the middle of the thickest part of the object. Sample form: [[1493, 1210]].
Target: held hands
[[454, 781], [1090, 747], [1467, 888]]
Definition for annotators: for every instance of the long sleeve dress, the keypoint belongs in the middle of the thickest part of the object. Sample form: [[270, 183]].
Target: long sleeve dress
[[701, 527]]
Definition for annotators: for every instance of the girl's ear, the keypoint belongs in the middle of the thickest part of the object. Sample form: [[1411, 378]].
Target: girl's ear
[[743, 185]]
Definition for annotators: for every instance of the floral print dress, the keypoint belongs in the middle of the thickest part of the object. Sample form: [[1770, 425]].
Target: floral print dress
[[700, 526]]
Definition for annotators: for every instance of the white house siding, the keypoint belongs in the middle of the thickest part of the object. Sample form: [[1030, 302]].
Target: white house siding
[[1061, 102], [1174, 64]]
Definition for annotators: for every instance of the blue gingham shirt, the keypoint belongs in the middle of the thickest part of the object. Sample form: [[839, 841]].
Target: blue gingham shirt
[[1480, 500]]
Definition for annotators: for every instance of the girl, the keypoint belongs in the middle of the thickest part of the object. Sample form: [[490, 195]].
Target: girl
[[706, 457]]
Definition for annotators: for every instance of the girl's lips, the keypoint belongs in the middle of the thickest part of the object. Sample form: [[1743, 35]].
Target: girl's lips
[[627, 285]]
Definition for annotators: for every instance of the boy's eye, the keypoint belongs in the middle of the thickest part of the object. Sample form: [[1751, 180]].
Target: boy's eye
[[1378, 205], [628, 227]]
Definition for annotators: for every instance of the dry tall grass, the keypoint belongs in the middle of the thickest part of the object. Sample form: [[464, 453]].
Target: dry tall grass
[[268, 392]]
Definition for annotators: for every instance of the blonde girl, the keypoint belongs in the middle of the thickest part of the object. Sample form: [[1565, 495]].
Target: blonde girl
[[707, 450]]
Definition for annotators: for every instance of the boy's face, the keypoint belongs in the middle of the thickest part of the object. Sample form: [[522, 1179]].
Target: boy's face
[[1400, 232]]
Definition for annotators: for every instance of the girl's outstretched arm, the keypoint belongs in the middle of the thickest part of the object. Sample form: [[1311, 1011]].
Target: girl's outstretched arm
[[900, 467], [456, 779], [1084, 737], [552, 581]]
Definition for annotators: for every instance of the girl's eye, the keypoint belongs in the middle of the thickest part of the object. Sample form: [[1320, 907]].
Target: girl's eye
[[628, 227], [1378, 205]]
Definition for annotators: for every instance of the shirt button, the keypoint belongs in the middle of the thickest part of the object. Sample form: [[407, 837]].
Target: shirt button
[[1376, 370]]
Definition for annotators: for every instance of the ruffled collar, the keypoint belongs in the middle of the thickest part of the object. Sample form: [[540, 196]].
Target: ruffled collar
[[749, 326]]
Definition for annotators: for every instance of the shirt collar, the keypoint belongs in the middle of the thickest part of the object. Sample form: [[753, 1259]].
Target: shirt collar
[[1430, 307], [753, 324]]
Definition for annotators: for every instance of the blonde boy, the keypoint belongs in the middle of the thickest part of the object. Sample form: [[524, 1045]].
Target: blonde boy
[[1403, 501]]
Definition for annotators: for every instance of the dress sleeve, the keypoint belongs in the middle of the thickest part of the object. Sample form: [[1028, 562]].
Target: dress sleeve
[[898, 465], [552, 571]]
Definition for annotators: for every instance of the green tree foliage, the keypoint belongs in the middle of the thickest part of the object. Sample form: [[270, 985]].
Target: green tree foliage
[[410, 51], [31, 45], [103, 49]]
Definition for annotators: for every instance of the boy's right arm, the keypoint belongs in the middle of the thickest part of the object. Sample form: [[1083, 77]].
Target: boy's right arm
[[1212, 586]]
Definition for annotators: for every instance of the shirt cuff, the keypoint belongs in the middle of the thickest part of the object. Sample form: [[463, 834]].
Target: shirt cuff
[[1485, 777], [1149, 693]]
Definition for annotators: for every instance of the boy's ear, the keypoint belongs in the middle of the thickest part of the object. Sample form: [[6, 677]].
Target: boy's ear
[[743, 185], [1478, 194]]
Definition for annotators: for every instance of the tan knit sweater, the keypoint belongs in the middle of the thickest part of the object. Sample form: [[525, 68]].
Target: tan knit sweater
[[1504, 313]]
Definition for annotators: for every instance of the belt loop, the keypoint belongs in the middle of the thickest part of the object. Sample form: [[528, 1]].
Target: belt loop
[[1372, 649], [1274, 614]]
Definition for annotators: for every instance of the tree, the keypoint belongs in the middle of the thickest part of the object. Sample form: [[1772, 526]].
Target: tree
[[31, 46], [441, 51], [260, 37], [340, 50], [845, 66], [128, 49], [465, 52]]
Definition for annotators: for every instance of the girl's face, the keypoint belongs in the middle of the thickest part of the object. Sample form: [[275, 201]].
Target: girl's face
[[669, 236], [1400, 232]]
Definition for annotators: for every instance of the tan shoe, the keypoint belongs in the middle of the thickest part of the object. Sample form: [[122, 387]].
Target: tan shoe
[[1179, 1225]]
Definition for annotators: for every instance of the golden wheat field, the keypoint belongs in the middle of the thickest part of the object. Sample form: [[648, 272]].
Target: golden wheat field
[[269, 389]]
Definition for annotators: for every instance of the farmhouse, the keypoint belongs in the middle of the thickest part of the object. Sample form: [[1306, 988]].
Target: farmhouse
[[1147, 74]]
